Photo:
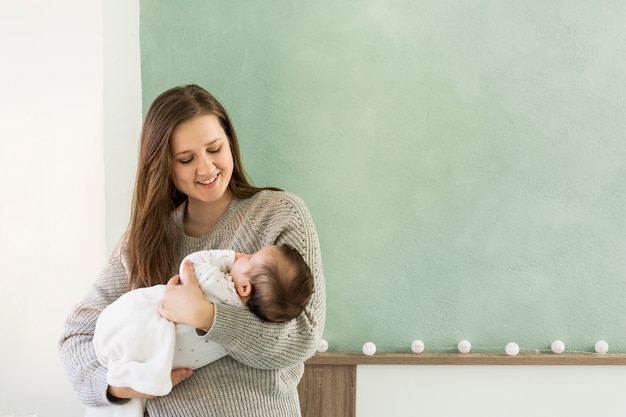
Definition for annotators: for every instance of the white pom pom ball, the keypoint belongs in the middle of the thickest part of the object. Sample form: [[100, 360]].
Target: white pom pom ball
[[464, 346], [558, 346], [601, 347], [512, 349], [323, 346], [417, 346], [369, 348]]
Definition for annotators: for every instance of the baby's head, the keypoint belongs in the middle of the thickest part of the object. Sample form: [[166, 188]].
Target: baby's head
[[275, 283]]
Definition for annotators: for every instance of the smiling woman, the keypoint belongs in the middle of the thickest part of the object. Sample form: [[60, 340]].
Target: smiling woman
[[192, 194], [178, 115]]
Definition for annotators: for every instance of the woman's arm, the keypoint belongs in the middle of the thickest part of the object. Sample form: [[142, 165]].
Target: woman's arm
[[261, 344], [76, 347], [76, 342], [121, 393], [247, 338]]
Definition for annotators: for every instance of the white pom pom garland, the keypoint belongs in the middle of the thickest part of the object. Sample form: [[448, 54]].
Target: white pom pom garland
[[417, 346], [601, 347], [323, 346], [512, 349], [369, 348], [558, 347], [464, 346]]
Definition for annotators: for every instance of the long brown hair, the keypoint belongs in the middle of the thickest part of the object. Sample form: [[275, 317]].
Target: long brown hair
[[151, 239]]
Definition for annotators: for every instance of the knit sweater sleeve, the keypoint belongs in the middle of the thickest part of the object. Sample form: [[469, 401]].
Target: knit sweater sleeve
[[76, 348], [265, 345]]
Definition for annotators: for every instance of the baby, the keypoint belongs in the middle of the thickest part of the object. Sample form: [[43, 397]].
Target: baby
[[140, 348]]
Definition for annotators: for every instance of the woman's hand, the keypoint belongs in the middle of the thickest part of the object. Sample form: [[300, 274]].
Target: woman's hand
[[185, 304], [178, 376]]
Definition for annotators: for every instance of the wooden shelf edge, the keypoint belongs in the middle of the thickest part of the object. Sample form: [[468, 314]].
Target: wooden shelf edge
[[354, 358]]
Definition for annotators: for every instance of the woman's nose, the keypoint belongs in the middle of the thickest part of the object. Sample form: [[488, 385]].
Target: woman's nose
[[206, 165]]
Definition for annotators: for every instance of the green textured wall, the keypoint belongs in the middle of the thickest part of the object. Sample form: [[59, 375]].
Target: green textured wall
[[464, 161]]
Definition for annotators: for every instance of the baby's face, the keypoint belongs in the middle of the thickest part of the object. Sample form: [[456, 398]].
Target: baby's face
[[245, 265]]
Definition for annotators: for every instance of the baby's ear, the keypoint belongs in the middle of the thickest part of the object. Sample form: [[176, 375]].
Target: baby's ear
[[245, 289]]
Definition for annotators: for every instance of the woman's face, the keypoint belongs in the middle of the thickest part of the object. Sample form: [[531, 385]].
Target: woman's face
[[202, 160]]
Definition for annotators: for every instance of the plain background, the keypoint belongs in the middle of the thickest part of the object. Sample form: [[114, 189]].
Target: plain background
[[464, 160]]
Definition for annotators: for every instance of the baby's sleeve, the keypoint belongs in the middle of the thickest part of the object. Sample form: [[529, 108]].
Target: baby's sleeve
[[204, 259], [223, 259]]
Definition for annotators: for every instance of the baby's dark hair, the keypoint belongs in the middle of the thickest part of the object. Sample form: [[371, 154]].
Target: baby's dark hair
[[281, 294]]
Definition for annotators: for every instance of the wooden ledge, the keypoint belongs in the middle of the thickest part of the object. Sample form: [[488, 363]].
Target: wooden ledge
[[352, 358]]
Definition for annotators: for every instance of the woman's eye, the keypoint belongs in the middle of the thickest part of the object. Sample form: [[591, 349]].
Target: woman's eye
[[215, 150], [185, 161]]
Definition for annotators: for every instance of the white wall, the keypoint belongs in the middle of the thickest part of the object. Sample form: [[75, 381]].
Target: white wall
[[490, 391], [52, 183], [122, 111]]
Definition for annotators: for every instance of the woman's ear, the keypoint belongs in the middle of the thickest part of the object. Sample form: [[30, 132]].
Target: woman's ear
[[245, 289]]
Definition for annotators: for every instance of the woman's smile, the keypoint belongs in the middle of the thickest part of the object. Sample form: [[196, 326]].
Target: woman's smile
[[209, 181], [202, 161]]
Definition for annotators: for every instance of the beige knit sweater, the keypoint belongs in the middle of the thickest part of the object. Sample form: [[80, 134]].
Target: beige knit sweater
[[259, 378]]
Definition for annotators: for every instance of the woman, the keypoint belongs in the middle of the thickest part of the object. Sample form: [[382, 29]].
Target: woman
[[192, 194]]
